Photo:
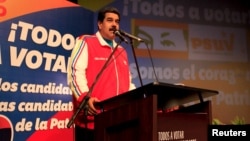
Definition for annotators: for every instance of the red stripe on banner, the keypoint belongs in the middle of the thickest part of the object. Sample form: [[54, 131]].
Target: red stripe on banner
[[14, 8], [56, 128]]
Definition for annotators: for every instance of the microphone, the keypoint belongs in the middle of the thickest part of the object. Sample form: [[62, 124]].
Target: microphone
[[130, 36], [117, 33]]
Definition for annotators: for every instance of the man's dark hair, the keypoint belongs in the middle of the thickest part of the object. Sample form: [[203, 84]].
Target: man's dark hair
[[102, 12]]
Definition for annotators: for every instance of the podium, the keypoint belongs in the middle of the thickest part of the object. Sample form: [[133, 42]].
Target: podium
[[139, 115]]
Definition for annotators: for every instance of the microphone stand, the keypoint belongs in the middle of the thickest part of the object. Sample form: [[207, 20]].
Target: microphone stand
[[84, 102], [136, 62]]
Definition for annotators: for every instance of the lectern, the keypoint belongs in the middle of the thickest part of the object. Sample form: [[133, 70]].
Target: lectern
[[139, 115]]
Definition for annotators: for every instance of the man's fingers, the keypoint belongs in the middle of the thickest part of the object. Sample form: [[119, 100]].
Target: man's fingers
[[92, 110]]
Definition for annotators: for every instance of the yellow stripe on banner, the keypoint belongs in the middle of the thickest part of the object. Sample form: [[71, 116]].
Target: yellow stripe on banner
[[159, 24], [94, 5], [161, 54]]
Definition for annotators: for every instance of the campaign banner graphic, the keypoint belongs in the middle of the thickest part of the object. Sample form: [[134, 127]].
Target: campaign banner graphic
[[196, 44], [202, 45], [35, 43]]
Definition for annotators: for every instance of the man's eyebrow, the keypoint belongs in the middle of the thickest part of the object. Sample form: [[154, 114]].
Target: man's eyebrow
[[110, 18]]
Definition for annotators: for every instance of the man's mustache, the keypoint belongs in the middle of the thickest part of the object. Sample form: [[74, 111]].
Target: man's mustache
[[113, 28]]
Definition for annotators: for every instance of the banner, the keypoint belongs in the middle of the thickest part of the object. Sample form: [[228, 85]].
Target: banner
[[35, 43], [200, 44]]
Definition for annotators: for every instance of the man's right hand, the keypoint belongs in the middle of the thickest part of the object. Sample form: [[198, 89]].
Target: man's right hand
[[92, 110]]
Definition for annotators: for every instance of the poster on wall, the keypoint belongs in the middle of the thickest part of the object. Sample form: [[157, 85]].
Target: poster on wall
[[204, 45], [200, 44], [35, 43]]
